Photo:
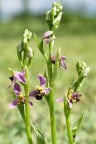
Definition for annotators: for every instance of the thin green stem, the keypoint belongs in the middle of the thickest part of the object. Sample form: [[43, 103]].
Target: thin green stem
[[52, 116], [51, 98], [27, 108], [69, 131]]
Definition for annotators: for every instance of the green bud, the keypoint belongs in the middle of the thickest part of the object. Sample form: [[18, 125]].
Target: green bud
[[56, 21], [29, 36], [58, 7], [19, 48], [25, 33], [86, 71], [53, 11], [80, 67], [30, 53], [48, 15]]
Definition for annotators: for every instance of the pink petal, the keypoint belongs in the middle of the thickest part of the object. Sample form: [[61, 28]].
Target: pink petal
[[33, 93], [13, 104], [42, 80], [59, 100], [17, 88]]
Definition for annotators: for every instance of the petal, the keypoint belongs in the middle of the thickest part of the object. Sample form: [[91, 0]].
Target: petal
[[14, 103], [63, 64], [12, 83], [78, 95], [47, 34], [33, 93], [20, 76], [30, 102], [47, 90], [63, 57], [48, 40], [42, 80], [17, 88], [59, 100]]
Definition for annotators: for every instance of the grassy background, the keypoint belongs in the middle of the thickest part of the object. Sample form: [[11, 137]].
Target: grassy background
[[78, 42]]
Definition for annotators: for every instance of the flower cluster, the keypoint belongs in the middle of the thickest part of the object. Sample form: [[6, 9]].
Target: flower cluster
[[53, 16], [38, 93]]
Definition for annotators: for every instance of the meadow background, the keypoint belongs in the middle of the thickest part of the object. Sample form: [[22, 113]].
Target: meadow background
[[77, 38]]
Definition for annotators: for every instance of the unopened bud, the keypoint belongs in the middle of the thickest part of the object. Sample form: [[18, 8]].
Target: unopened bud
[[56, 21], [19, 48], [48, 15], [29, 36], [80, 67], [30, 53], [53, 11]]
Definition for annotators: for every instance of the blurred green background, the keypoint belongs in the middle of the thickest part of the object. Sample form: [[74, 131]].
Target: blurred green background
[[77, 38]]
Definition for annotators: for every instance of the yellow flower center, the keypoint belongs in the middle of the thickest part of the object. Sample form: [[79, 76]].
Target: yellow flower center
[[39, 88], [21, 99]]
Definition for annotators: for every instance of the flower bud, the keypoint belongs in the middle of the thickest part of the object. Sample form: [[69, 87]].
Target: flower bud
[[80, 67], [53, 11], [19, 48], [30, 53], [58, 7], [48, 15], [29, 36], [86, 71], [57, 21]]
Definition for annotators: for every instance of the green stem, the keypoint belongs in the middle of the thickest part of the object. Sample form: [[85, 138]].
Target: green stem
[[69, 131], [51, 98], [52, 116], [27, 108]]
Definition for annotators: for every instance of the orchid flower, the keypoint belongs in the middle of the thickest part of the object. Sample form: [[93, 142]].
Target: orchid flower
[[62, 61], [18, 76], [20, 99], [48, 37], [41, 90], [72, 98]]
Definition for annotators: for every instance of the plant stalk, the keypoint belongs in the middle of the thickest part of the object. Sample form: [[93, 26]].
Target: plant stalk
[[69, 131], [51, 98], [27, 108]]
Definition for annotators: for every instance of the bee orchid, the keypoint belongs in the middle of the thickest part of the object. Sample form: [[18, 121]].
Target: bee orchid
[[20, 98], [41, 90], [17, 76]]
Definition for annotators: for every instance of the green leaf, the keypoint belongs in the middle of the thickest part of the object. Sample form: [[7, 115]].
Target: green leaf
[[40, 46], [39, 136], [36, 39], [77, 127]]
